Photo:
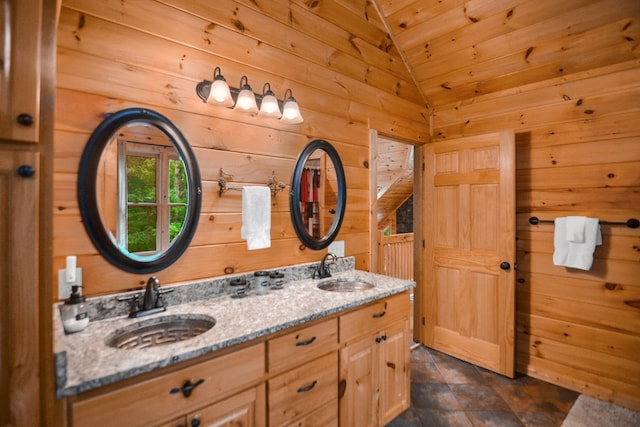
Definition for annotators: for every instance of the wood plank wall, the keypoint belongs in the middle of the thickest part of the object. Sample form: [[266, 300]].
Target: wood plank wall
[[339, 63], [566, 77]]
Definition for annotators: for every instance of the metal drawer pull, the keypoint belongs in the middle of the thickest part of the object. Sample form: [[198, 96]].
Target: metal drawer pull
[[308, 388], [307, 342], [187, 388], [379, 315]]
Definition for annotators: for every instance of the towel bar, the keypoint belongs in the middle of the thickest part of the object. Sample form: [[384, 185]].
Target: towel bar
[[631, 222], [272, 183]]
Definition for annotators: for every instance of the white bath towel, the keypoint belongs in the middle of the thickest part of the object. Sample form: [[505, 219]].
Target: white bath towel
[[573, 254], [575, 228], [256, 217]]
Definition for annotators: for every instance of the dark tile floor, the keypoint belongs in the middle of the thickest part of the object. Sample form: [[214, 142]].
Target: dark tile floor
[[446, 391]]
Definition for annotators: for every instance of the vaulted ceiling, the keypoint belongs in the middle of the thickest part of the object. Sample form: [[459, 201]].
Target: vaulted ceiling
[[461, 51]]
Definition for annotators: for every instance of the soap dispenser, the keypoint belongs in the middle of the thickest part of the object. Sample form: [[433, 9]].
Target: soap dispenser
[[74, 312]]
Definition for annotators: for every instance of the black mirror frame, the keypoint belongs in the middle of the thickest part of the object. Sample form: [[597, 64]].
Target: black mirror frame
[[88, 203], [294, 195]]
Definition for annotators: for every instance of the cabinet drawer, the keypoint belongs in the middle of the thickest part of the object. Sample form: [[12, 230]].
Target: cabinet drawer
[[300, 391], [302, 345], [156, 400], [374, 317]]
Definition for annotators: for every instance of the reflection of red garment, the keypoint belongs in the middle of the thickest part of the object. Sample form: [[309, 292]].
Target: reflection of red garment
[[316, 185], [304, 188]]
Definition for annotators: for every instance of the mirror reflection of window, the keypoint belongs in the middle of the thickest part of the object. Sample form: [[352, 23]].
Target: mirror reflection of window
[[155, 199], [143, 190]]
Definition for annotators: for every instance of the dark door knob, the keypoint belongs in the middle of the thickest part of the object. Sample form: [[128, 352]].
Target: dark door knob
[[26, 171], [25, 119], [505, 265]]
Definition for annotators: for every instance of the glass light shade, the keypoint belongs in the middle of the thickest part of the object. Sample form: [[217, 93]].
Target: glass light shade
[[291, 112], [269, 106], [219, 93], [246, 101]]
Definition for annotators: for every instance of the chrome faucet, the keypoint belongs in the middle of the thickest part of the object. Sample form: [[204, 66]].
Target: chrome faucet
[[151, 293], [324, 267]]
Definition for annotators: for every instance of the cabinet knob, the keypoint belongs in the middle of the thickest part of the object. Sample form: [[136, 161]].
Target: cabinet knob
[[26, 171], [25, 119], [195, 422], [505, 265], [381, 338]]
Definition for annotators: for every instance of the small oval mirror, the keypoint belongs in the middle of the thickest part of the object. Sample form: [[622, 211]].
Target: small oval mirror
[[139, 190], [318, 195]]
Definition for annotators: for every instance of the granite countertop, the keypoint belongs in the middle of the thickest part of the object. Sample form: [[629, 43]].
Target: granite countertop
[[84, 361]]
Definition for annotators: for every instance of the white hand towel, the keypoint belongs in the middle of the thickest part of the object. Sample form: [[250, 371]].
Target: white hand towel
[[256, 217], [572, 254], [575, 228]]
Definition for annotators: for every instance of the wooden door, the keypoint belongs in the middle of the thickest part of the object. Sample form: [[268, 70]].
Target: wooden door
[[469, 254], [19, 337]]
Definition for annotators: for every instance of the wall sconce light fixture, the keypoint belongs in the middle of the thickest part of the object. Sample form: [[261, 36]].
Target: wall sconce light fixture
[[291, 112], [217, 92], [269, 106], [246, 100]]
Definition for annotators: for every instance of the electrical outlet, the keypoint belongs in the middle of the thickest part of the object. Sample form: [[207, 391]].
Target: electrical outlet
[[337, 247], [64, 287]]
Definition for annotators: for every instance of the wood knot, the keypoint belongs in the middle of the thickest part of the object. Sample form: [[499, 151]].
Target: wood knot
[[239, 25], [613, 286], [229, 270]]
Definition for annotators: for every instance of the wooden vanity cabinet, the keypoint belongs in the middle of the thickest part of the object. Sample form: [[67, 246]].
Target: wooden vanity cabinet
[[374, 362], [228, 387], [349, 369]]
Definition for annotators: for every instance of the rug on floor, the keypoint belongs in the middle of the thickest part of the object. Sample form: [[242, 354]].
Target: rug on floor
[[588, 411]]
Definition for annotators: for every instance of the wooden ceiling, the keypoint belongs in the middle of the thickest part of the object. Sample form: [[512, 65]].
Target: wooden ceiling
[[461, 52]]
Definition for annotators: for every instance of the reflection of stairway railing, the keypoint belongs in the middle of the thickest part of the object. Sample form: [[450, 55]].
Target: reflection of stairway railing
[[395, 255]]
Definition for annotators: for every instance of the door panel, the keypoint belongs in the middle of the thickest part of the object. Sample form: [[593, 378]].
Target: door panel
[[469, 229]]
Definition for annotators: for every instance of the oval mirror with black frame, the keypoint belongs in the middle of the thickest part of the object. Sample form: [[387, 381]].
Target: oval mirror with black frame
[[139, 190], [318, 195]]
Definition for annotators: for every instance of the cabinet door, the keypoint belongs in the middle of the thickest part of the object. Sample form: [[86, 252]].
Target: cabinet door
[[358, 372], [20, 74], [19, 356], [395, 375], [246, 409]]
